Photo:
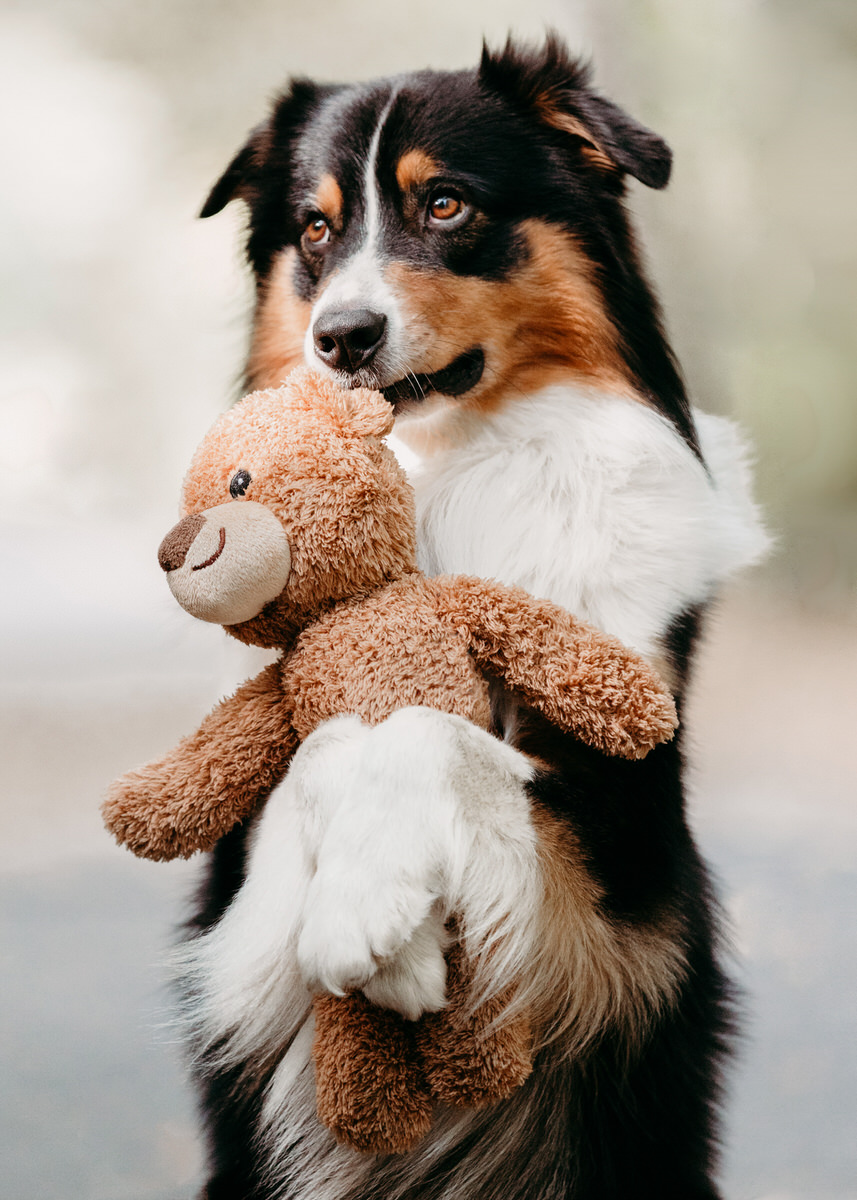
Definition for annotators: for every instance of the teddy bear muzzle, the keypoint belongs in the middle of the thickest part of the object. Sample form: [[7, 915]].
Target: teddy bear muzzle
[[226, 563]]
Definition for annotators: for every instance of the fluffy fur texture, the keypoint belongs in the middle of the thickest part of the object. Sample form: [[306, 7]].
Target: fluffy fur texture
[[455, 818], [412, 641], [480, 214], [633, 528]]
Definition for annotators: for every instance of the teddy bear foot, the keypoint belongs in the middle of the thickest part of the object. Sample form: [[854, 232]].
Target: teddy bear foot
[[467, 1061], [472, 1068], [371, 1093]]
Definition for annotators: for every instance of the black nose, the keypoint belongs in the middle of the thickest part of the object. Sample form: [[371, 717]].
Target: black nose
[[348, 337]]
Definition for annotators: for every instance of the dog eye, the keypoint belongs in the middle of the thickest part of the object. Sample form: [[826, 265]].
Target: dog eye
[[447, 207], [239, 484], [317, 231]]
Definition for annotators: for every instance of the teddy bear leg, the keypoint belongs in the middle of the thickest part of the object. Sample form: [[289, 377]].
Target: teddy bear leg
[[467, 1062], [371, 1092]]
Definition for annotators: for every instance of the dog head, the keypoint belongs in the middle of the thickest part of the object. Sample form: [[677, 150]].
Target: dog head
[[453, 237]]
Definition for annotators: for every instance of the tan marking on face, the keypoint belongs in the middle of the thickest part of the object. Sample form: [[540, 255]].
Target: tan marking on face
[[593, 973], [280, 322], [415, 167], [598, 158], [592, 150], [328, 195], [545, 324]]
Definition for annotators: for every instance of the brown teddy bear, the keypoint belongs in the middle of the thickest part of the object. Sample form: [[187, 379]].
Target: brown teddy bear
[[299, 533]]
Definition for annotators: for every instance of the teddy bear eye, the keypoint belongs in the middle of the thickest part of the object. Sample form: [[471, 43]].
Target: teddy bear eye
[[239, 484]]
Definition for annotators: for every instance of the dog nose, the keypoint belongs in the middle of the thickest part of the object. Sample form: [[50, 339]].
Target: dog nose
[[348, 337]]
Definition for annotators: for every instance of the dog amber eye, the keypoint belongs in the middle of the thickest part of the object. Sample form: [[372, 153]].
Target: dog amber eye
[[446, 206], [317, 232], [239, 484]]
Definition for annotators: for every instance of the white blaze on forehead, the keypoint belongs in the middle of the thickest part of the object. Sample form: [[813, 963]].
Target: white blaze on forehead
[[359, 282], [372, 206]]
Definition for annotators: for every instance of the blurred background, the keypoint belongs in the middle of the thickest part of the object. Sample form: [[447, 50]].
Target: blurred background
[[124, 325]]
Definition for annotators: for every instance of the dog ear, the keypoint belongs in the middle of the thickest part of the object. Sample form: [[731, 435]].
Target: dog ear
[[551, 85], [236, 181], [269, 141]]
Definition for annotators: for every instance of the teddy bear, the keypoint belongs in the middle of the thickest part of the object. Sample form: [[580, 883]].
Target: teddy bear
[[299, 533]]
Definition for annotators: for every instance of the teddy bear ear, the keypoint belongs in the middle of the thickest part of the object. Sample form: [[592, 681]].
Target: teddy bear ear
[[357, 413], [365, 413]]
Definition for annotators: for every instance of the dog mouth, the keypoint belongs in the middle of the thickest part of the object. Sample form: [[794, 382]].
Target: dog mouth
[[458, 377]]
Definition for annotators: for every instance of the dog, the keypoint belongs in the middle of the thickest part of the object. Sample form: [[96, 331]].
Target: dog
[[459, 241]]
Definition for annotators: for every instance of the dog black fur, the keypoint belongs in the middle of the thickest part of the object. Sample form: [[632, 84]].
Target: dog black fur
[[523, 138]]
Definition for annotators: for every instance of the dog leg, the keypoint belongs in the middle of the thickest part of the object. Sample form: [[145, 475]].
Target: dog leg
[[246, 995], [432, 819]]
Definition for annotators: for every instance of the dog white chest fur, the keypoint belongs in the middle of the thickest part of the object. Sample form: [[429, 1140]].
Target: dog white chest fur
[[376, 834], [595, 502]]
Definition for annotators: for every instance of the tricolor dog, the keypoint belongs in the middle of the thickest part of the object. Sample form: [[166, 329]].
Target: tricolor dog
[[459, 241]]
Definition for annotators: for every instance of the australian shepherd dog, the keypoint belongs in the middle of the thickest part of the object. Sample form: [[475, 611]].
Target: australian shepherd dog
[[459, 241]]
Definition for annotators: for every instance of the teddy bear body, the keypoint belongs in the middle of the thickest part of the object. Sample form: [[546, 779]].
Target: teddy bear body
[[377, 654]]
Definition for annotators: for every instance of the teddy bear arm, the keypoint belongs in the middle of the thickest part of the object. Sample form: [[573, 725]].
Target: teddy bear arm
[[583, 680], [212, 779]]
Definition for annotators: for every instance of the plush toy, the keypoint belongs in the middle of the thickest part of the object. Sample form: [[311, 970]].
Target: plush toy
[[299, 534]]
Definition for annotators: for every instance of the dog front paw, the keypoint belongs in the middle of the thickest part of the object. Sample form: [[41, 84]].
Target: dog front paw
[[413, 981], [334, 953], [352, 933]]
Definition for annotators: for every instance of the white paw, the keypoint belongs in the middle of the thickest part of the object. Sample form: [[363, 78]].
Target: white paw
[[353, 926], [413, 981], [396, 816]]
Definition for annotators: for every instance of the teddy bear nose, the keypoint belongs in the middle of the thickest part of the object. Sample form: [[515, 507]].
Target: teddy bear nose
[[347, 338], [173, 549]]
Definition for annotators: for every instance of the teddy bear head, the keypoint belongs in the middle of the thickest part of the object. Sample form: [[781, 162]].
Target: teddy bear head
[[292, 503]]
